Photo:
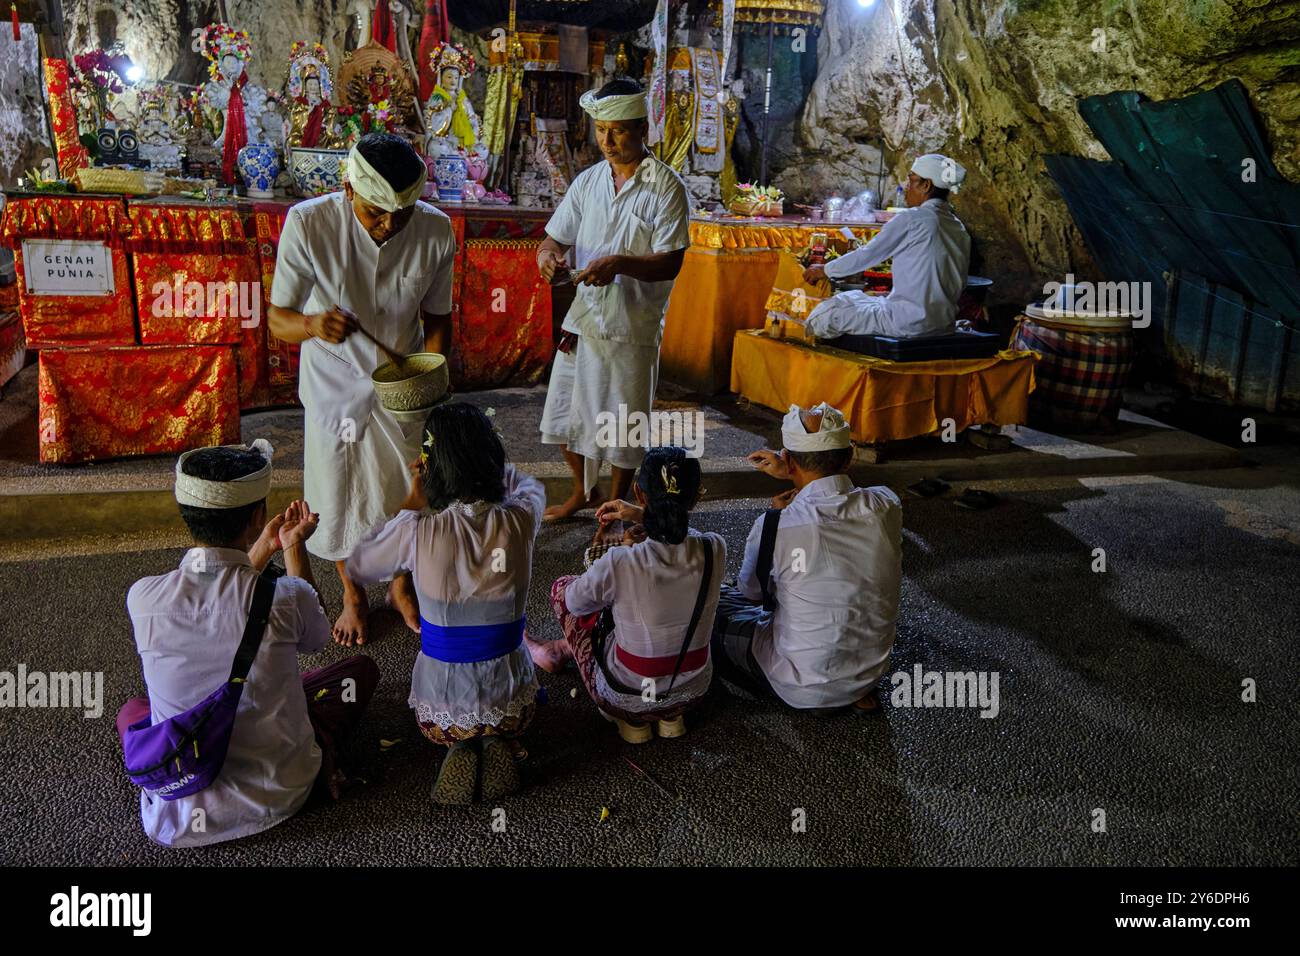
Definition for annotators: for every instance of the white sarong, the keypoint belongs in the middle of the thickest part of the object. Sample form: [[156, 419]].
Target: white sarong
[[355, 485], [599, 375], [853, 313]]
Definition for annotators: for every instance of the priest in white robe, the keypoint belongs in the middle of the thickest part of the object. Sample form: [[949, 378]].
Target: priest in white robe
[[626, 220], [930, 249], [370, 257]]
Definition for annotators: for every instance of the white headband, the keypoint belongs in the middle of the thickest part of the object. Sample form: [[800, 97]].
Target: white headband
[[201, 493], [834, 431], [378, 191], [624, 106], [945, 173]]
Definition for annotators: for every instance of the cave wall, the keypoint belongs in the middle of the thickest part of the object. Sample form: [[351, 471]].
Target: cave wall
[[994, 83]]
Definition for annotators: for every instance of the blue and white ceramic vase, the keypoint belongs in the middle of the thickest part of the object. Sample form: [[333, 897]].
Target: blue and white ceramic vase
[[259, 164], [450, 172]]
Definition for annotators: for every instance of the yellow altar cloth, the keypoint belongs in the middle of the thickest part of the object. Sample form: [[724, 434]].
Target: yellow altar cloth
[[883, 400], [723, 287]]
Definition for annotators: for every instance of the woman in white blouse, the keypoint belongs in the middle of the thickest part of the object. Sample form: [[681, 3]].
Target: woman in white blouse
[[466, 532], [655, 665]]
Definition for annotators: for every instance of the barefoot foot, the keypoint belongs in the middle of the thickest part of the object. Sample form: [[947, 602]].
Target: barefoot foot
[[550, 656], [573, 504], [351, 626], [401, 598]]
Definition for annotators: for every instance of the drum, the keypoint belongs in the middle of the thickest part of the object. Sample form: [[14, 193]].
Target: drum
[[1082, 372]]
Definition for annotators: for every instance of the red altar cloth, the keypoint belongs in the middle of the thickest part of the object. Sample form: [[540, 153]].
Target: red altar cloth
[[144, 400], [54, 320]]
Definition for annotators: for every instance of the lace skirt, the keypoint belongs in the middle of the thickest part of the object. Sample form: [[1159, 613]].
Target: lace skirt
[[459, 701]]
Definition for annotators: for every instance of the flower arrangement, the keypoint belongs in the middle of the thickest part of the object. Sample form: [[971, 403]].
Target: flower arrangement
[[378, 116], [97, 74], [218, 40], [350, 121], [754, 200], [453, 55], [316, 51]]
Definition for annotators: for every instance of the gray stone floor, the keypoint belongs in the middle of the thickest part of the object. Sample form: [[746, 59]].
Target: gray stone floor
[[1119, 691]]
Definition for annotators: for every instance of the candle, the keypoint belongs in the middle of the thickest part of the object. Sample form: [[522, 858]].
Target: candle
[[13, 17]]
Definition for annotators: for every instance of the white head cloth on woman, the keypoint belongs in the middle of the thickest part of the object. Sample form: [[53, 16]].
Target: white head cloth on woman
[[202, 493], [375, 190], [833, 432], [619, 106]]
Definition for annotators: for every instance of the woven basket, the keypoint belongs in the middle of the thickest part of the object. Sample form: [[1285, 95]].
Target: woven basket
[[99, 179]]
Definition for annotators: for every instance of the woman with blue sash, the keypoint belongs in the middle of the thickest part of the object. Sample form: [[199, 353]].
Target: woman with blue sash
[[466, 533]]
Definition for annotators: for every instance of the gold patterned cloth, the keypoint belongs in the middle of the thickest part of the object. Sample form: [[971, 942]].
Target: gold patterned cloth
[[768, 234], [140, 400], [65, 217], [169, 228]]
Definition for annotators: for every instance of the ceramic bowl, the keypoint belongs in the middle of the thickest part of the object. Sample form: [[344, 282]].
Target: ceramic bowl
[[420, 383]]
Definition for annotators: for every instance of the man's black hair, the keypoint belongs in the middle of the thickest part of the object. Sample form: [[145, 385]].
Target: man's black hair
[[393, 158], [824, 463], [937, 193], [466, 460], [623, 87], [220, 527]]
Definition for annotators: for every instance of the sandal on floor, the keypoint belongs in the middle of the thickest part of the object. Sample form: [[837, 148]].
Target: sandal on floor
[[500, 773], [631, 733], [671, 728], [868, 703], [458, 775]]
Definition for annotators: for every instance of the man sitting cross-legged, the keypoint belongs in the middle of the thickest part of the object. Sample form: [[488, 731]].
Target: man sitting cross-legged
[[812, 621], [189, 624]]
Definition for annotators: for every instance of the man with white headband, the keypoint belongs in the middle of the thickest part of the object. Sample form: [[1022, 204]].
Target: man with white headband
[[370, 257], [812, 622], [930, 249], [188, 625], [626, 220]]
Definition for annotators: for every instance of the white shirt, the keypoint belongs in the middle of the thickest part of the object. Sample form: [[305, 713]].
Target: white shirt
[[188, 624], [651, 587], [650, 214], [471, 564], [837, 570], [326, 258], [931, 252]]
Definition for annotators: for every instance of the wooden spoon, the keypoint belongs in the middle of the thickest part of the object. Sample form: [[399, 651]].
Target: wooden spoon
[[397, 358]]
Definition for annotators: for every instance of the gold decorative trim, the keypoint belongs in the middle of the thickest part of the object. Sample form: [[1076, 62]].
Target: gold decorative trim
[[502, 243]]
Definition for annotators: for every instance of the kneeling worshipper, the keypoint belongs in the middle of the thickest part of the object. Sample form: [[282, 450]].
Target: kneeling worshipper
[[189, 625], [466, 532], [370, 259], [627, 221], [812, 622], [661, 590], [930, 249]]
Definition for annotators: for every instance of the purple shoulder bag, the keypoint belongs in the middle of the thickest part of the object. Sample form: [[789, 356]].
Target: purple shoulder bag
[[183, 754]]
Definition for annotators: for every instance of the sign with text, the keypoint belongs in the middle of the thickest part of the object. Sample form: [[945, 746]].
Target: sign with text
[[67, 267]]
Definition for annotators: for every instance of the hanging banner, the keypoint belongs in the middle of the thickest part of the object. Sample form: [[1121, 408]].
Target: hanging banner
[[708, 104], [728, 25], [658, 94]]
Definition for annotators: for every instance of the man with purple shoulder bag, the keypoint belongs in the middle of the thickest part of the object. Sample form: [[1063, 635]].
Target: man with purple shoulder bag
[[232, 739]]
